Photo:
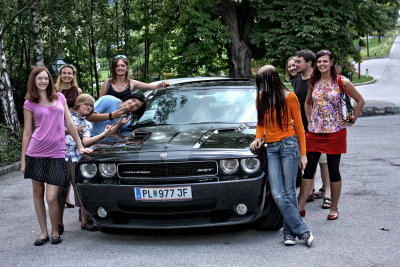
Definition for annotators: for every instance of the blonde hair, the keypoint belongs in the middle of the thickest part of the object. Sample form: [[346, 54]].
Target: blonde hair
[[82, 99], [59, 82]]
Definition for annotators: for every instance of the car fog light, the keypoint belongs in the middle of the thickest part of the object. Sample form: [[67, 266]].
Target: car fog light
[[241, 209], [101, 212]]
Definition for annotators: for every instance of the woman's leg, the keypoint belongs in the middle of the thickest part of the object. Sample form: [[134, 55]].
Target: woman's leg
[[308, 178], [336, 181], [325, 179], [283, 160], [63, 193], [52, 203], [68, 199], [38, 202]]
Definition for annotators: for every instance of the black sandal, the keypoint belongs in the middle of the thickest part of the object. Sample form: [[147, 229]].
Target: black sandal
[[56, 240], [310, 197], [41, 242], [69, 205], [326, 204], [319, 194]]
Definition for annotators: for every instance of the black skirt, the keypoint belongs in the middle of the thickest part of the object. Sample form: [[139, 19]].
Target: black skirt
[[47, 170]]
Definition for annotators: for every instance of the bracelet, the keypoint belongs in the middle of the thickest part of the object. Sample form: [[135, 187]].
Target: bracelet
[[110, 116]]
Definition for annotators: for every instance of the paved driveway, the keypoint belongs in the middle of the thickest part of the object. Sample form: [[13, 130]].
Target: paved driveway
[[386, 71]]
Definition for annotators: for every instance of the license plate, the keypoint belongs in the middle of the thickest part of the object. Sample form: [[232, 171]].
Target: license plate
[[163, 193]]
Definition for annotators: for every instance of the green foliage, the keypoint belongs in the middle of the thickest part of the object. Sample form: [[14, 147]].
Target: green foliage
[[169, 38], [283, 27], [10, 146]]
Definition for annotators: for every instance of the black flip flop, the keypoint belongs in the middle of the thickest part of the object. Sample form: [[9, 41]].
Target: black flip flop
[[41, 242], [56, 240]]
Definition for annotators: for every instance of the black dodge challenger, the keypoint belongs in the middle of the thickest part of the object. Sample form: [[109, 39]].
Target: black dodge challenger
[[185, 163]]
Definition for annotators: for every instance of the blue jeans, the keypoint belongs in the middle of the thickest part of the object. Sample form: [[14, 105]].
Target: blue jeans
[[283, 161]]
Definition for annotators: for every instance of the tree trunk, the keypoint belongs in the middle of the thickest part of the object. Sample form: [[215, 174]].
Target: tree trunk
[[6, 95], [146, 65], [94, 62], [238, 18], [37, 47]]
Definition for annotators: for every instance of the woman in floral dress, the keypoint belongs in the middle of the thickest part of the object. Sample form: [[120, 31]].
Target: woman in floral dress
[[326, 129]]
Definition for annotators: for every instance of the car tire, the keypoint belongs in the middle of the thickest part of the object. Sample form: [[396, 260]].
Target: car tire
[[271, 218]]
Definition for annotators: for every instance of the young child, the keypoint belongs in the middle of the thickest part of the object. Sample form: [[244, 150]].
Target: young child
[[43, 151], [83, 107]]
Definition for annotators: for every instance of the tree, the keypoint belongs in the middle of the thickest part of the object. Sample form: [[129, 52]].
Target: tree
[[37, 48], [6, 92], [238, 18]]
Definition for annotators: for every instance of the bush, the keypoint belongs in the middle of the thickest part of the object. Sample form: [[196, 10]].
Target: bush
[[10, 145]]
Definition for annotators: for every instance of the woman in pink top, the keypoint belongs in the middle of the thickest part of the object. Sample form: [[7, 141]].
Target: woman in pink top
[[43, 151]]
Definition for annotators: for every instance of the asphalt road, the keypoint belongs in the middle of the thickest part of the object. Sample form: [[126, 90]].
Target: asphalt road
[[385, 71], [366, 234]]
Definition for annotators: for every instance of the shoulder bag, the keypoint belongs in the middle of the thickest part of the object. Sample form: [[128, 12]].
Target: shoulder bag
[[345, 100]]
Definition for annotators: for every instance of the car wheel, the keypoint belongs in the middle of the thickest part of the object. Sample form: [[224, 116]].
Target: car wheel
[[271, 218]]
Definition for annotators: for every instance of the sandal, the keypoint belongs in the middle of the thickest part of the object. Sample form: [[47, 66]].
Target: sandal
[[310, 197], [332, 217], [319, 194], [326, 204], [56, 240], [40, 242]]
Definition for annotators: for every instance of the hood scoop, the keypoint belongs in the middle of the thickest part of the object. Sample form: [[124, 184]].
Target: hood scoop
[[213, 132], [138, 136]]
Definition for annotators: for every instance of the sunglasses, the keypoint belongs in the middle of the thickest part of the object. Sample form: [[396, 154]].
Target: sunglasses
[[120, 56], [324, 52]]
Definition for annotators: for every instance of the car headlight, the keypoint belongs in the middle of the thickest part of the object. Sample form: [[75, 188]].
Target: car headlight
[[107, 169], [229, 166], [250, 165], [88, 170]]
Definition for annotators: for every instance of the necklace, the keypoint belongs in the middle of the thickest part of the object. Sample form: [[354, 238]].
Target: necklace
[[120, 86]]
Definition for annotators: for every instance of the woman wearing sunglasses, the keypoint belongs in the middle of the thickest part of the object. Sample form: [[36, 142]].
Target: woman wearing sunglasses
[[120, 85]]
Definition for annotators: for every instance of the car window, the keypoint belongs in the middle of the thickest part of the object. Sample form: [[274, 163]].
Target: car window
[[200, 106]]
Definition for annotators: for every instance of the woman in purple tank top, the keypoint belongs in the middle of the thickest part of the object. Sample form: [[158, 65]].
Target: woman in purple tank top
[[43, 150]]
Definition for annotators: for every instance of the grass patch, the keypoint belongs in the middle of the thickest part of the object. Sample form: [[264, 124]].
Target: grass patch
[[362, 79], [379, 49]]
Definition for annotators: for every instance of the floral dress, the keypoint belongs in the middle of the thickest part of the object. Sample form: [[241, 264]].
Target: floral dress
[[326, 130], [326, 111]]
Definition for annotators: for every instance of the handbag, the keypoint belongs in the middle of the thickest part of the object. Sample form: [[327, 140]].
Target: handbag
[[345, 100]]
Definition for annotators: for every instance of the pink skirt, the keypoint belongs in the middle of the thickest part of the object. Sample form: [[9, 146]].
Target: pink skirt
[[329, 143]]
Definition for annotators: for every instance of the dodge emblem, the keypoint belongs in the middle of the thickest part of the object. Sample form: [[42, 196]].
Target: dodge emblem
[[163, 155]]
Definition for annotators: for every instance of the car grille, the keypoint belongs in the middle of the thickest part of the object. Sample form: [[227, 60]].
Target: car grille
[[167, 169]]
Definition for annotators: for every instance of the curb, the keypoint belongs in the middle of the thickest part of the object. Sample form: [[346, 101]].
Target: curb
[[375, 111], [365, 83], [10, 168]]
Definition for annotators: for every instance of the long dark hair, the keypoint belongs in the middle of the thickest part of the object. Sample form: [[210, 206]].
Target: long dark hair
[[270, 96], [316, 75]]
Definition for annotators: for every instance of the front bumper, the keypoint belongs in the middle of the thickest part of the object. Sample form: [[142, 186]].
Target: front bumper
[[212, 204]]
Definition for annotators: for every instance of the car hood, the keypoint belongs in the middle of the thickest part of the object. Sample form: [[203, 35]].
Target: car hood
[[175, 142]]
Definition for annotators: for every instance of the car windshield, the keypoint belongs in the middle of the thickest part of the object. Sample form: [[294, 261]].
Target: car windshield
[[230, 105]]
